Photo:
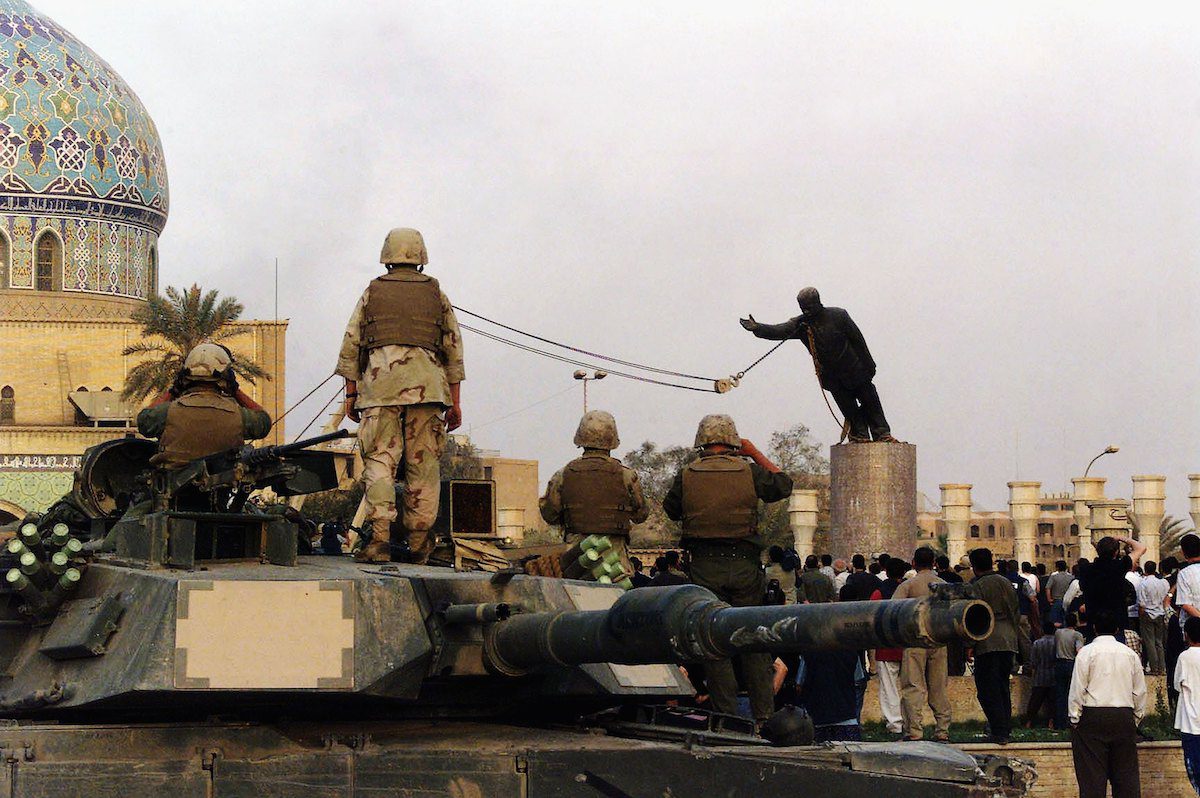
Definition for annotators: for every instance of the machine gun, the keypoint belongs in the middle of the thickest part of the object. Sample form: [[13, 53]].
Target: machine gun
[[199, 512], [288, 469]]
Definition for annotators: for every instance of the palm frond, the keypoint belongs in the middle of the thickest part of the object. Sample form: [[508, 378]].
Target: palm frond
[[174, 323]]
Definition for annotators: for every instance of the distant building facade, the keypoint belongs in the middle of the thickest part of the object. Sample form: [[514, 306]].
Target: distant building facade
[[1057, 531]]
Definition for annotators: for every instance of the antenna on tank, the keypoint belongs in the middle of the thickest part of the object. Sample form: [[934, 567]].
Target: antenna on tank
[[275, 341]]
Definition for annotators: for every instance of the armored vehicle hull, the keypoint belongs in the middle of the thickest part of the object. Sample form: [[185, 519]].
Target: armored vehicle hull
[[466, 760]]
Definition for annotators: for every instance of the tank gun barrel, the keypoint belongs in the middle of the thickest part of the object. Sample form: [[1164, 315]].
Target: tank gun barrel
[[687, 623]]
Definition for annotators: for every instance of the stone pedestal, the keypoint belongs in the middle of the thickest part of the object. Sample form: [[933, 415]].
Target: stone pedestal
[[956, 513], [1149, 507], [873, 499], [1025, 507], [1087, 489], [1194, 499], [802, 518], [1109, 517]]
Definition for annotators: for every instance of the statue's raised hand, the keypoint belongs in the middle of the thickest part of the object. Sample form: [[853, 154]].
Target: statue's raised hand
[[749, 323]]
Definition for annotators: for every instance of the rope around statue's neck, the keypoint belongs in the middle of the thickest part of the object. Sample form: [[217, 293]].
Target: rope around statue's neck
[[812, 351]]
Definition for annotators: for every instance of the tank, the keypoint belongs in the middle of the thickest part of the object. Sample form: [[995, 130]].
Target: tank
[[166, 639]]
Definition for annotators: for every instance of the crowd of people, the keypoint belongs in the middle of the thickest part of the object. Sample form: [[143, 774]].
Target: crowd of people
[[1085, 635]]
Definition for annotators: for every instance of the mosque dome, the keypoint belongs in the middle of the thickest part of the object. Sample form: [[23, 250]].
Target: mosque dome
[[83, 181]]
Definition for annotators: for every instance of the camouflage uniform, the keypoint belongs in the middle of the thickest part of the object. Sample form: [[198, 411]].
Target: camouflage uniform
[[402, 392], [715, 499]]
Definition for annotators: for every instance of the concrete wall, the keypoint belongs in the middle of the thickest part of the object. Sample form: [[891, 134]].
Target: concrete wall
[[517, 487], [964, 700], [1160, 766]]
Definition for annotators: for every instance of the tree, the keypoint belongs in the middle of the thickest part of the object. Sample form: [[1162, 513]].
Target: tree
[[460, 459], [656, 469], [795, 451], [173, 325], [1170, 531]]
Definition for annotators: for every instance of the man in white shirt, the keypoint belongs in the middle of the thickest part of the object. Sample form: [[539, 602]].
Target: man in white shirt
[[1187, 709], [841, 573], [1187, 585], [1135, 579], [1106, 703], [1152, 617]]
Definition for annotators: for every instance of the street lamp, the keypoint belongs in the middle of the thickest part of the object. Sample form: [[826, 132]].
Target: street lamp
[[585, 377], [1107, 450]]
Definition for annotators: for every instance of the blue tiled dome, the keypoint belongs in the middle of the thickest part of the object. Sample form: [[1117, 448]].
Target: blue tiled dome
[[83, 182], [72, 132]]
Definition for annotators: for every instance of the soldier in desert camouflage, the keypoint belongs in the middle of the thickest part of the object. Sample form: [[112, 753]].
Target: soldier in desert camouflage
[[402, 359], [595, 494]]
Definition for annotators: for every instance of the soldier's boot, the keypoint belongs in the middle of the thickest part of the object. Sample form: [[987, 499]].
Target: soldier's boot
[[376, 549], [886, 439]]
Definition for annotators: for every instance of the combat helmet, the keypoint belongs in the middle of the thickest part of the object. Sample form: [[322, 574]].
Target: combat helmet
[[597, 430], [404, 245], [717, 428], [207, 363]]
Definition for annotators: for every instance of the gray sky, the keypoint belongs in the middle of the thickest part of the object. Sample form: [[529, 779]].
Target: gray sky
[[1005, 198]]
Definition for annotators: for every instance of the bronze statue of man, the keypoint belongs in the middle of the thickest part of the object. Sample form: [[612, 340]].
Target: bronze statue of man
[[844, 364]]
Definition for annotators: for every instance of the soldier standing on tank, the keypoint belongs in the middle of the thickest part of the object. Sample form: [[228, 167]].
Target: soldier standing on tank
[[402, 359], [596, 494], [844, 363], [715, 499], [204, 412]]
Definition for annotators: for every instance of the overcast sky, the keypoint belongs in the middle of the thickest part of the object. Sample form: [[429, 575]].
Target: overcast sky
[[1005, 199]]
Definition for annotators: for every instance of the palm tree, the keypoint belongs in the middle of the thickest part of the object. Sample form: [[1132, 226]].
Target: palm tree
[[1169, 533], [173, 325]]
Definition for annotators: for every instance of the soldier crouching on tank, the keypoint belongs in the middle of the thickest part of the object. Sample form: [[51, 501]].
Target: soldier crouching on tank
[[595, 494], [715, 499], [204, 412], [402, 358]]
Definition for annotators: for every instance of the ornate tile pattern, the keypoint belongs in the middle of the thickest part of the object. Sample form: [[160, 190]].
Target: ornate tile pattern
[[78, 153]]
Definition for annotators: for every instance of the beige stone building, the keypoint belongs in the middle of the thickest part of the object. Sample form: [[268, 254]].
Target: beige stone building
[[1057, 531]]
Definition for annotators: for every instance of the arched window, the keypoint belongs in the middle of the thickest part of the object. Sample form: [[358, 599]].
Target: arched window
[[8, 406], [5, 262], [48, 262], [152, 272], [974, 530], [991, 530], [1074, 530]]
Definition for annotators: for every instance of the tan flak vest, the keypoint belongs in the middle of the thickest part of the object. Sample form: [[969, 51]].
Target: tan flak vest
[[595, 500], [199, 423], [719, 500], [403, 307]]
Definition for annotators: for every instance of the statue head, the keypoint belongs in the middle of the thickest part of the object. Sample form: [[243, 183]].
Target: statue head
[[809, 300]]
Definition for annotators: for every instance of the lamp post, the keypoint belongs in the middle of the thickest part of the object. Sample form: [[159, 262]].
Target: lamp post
[[585, 378], [1088, 489], [1107, 450]]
